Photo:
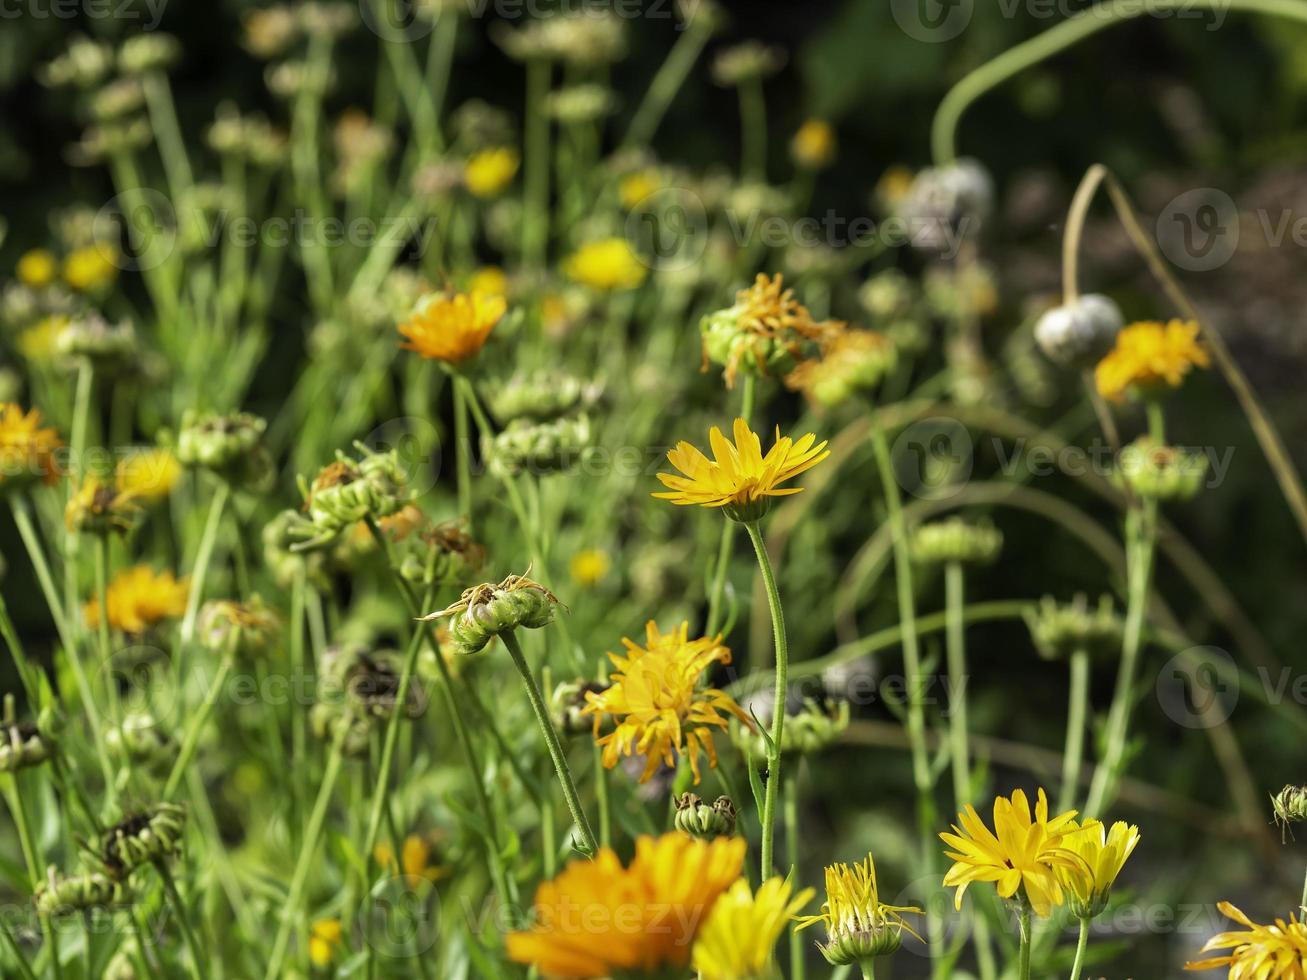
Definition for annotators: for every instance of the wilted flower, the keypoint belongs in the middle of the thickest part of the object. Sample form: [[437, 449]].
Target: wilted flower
[[349, 491], [1080, 334], [138, 598], [431, 554], [849, 361], [859, 926], [101, 507], [1150, 357]]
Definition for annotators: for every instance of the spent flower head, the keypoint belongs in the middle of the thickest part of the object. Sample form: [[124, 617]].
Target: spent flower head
[[486, 610]]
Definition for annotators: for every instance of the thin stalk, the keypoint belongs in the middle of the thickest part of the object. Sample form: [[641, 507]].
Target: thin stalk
[[778, 702], [23, 967], [163, 120], [200, 570], [588, 843], [797, 942], [1074, 746], [1081, 943], [198, 959], [440, 60], [954, 603], [32, 859], [298, 726], [462, 453], [27, 672], [195, 728], [753, 130], [667, 82], [1023, 956], [601, 798], [76, 473], [748, 394]]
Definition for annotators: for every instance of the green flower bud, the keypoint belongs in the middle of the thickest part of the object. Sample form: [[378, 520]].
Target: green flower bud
[[140, 741], [746, 61], [956, 540], [486, 610], [1289, 806], [22, 745], [581, 104], [808, 729], [117, 100], [848, 946], [1060, 630], [698, 819], [541, 396], [1157, 472], [151, 835], [244, 630], [83, 64], [349, 491], [543, 447], [59, 895], [225, 444]]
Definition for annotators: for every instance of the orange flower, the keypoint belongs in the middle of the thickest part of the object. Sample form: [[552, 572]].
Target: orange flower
[[452, 327], [138, 598]]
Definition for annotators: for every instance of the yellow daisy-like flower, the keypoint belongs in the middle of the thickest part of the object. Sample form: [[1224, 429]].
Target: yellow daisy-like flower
[[813, 146], [1104, 853], [489, 280], [451, 328], [91, 268], [588, 567], [740, 479], [487, 173], [1277, 952], [859, 926], [609, 263], [37, 268], [415, 859], [1149, 356], [140, 597], [1021, 855], [737, 940], [27, 450], [598, 919], [325, 937], [655, 698], [149, 474], [635, 187]]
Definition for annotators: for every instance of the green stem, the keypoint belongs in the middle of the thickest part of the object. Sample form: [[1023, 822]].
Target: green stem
[[748, 393], [1023, 956], [588, 843], [23, 967], [1064, 35], [202, 557], [954, 603], [196, 726], [1081, 943], [27, 672], [868, 967], [163, 120], [601, 798], [462, 453], [76, 473], [667, 82], [778, 701], [753, 130], [1074, 746], [535, 226], [792, 855], [198, 959]]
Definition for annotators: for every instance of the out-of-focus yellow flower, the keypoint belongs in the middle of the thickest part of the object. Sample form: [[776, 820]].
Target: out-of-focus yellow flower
[[140, 597], [91, 268], [894, 185], [655, 699], [489, 280], [1020, 855], [740, 478], [635, 187], [487, 173], [98, 507], [588, 567], [859, 926], [37, 268], [149, 474], [598, 919], [1149, 356], [737, 940], [1104, 854], [451, 328], [26, 448], [325, 938], [609, 263], [1277, 952], [38, 342], [813, 146], [415, 859]]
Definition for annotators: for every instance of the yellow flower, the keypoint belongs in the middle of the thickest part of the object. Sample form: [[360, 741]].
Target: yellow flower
[[139, 597], [1277, 952], [894, 185], [740, 478], [487, 173], [598, 918], [452, 328], [588, 567], [1149, 355], [1104, 853], [635, 187], [37, 268], [859, 926], [609, 263], [26, 449], [737, 940], [37, 342], [655, 698], [149, 474], [98, 507], [414, 859], [90, 268], [813, 146], [489, 280], [1021, 855], [325, 937]]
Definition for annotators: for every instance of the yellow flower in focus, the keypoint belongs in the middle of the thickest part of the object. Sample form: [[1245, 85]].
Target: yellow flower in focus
[[1148, 356], [740, 478], [489, 280], [1021, 854], [655, 699], [737, 940], [325, 937], [138, 598], [487, 173], [598, 919], [635, 187], [859, 926], [414, 859], [37, 342], [588, 567], [1277, 952], [813, 146], [1104, 853], [609, 263], [451, 328], [37, 268], [91, 268], [149, 474], [26, 449]]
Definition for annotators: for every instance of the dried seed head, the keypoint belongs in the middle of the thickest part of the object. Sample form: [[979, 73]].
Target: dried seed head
[[486, 610]]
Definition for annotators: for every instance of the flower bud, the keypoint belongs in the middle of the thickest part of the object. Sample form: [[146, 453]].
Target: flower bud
[[944, 202], [229, 445], [698, 819], [810, 726], [747, 61], [1289, 806], [1157, 472], [542, 447], [541, 396], [1078, 335], [22, 745], [1059, 630], [141, 741], [59, 895], [151, 835], [117, 100], [486, 610], [83, 64], [956, 540], [244, 630]]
